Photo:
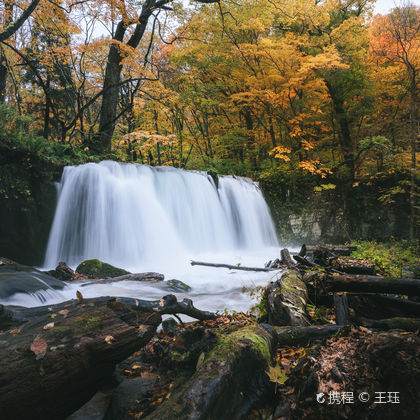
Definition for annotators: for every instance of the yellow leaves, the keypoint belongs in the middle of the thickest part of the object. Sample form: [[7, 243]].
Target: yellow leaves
[[314, 167], [109, 339], [277, 374], [79, 296], [280, 152]]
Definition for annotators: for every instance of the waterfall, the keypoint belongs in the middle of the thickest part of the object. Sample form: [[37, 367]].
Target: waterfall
[[140, 217]]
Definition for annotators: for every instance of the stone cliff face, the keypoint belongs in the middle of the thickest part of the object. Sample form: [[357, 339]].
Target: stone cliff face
[[335, 216], [27, 202]]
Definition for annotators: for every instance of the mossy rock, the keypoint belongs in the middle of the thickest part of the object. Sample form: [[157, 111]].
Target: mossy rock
[[96, 268], [176, 286]]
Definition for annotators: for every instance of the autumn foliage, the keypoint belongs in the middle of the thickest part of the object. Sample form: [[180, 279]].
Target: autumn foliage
[[248, 87]]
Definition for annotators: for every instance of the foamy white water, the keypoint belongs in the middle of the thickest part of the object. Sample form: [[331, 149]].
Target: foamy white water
[[158, 219]]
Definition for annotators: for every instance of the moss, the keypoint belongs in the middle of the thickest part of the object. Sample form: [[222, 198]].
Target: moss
[[96, 268], [88, 324], [177, 286], [59, 332], [228, 344]]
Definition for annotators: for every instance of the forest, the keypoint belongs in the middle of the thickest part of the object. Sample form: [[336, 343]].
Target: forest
[[209, 209]]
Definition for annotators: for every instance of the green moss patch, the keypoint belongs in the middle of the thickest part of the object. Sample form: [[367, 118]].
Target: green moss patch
[[96, 268]]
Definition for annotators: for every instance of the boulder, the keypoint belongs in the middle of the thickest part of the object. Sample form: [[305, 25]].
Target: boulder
[[176, 286], [18, 278], [95, 268], [65, 273]]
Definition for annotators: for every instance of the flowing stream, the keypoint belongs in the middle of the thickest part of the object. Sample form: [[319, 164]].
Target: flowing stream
[[145, 218]]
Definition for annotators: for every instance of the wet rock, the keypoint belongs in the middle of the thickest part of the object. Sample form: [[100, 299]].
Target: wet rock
[[18, 278], [95, 268], [65, 273], [176, 286]]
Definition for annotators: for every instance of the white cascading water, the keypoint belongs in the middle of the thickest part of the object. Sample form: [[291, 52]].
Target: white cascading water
[[139, 217], [157, 219]]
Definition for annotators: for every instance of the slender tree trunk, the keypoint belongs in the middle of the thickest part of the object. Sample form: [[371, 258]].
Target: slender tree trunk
[[344, 135], [46, 131], [8, 17], [413, 163], [110, 97]]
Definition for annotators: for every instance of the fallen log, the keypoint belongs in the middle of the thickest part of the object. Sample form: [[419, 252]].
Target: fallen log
[[167, 305], [297, 336], [377, 306], [353, 266], [286, 299], [228, 380], [406, 324], [304, 261], [232, 267], [149, 276], [333, 282], [68, 357], [342, 250], [69, 349]]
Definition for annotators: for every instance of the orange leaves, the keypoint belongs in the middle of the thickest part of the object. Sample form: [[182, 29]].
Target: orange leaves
[[314, 167], [281, 152], [39, 347]]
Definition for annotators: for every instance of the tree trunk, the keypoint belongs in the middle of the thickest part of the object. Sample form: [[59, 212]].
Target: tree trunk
[[286, 300], [8, 17], [110, 96], [413, 160], [345, 139], [229, 380], [329, 283]]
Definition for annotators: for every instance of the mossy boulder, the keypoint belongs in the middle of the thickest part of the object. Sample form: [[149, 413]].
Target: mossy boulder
[[176, 286], [98, 269]]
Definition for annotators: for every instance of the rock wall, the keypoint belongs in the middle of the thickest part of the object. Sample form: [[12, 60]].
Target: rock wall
[[337, 215], [27, 203]]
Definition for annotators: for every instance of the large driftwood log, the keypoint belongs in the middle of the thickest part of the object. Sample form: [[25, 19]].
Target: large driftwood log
[[286, 300], [332, 282], [231, 267], [69, 349], [228, 380]]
